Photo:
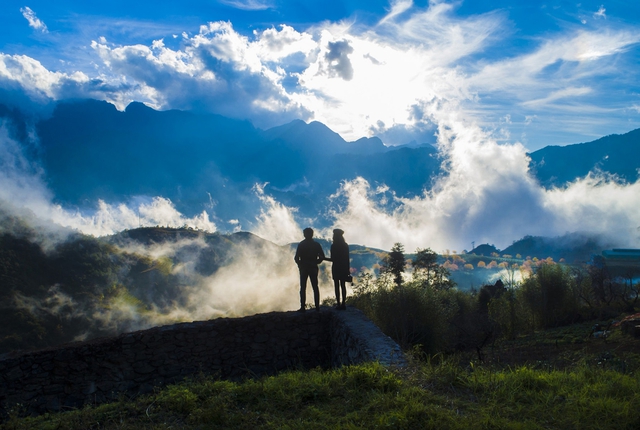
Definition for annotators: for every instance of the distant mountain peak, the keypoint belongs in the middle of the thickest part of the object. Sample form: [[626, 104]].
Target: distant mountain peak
[[366, 145], [137, 107], [616, 154]]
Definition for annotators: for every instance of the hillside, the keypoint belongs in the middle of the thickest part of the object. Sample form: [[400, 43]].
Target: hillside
[[617, 154], [79, 287], [59, 286], [65, 287], [573, 248]]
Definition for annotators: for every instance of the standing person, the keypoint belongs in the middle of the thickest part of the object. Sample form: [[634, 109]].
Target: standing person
[[340, 268], [308, 255]]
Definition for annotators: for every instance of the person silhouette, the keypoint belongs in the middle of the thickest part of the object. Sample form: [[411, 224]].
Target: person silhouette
[[309, 254], [340, 269]]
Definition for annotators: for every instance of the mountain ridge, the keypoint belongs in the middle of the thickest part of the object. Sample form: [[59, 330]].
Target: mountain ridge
[[617, 154], [90, 151]]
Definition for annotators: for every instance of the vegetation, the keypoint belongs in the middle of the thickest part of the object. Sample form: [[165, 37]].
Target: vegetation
[[425, 311], [394, 263], [79, 287], [71, 290], [433, 394], [510, 355]]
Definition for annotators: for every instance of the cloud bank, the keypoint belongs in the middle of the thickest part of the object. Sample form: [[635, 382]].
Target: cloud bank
[[487, 196], [362, 80]]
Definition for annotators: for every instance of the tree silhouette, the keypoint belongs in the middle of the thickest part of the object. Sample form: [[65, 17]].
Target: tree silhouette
[[426, 261], [395, 263], [429, 273]]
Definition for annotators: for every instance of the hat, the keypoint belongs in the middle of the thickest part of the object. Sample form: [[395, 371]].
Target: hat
[[338, 231]]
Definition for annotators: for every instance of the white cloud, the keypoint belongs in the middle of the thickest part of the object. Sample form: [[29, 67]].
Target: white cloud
[[32, 76], [248, 4], [398, 7], [525, 75], [600, 13], [22, 187], [404, 72], [557, 95], [273, 45], [23, 74], [112, 218], [487, 195], [472, 202], [355, 78], [566, 80], [217, 70], [276, 221], [34, 22]]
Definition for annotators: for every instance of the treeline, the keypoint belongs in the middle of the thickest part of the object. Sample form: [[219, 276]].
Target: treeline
[[416, 302]]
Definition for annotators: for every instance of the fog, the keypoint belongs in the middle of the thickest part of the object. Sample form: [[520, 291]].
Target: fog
[[256, 277], [487, 195], [23, 187]]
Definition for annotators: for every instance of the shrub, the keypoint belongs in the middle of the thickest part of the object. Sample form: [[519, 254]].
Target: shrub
[[549, 296], [413, 315], [508, 315]]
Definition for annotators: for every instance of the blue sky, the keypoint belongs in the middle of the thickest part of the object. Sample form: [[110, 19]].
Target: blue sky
[[538, 73]]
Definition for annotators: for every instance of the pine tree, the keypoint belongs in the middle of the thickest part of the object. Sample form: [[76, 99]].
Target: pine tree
[[395, 263]]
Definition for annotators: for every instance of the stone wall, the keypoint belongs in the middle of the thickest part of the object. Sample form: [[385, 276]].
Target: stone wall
[[230, 348], [356, 339]]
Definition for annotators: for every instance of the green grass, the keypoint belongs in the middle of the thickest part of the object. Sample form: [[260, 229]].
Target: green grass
[[442, 395]]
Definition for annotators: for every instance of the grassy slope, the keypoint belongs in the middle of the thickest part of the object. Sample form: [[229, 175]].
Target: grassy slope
[[577, 382]]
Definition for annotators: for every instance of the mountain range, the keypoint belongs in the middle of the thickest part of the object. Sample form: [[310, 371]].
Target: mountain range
[[572, 248], [617, 155], [89, 151]]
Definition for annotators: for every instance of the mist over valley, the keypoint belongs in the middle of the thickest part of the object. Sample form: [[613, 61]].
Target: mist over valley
[[60, 286]]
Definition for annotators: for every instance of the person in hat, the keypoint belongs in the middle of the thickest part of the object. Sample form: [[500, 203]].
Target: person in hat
[[308, 255], [340, 269]]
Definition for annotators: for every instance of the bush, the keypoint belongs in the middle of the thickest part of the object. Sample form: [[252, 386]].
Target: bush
[[549, 296], [427, 312], [414, 316], [508, 315]]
